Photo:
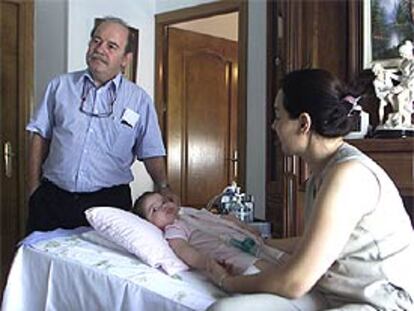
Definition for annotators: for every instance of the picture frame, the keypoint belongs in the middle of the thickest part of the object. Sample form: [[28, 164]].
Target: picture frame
[[381, 34], [130, 71]]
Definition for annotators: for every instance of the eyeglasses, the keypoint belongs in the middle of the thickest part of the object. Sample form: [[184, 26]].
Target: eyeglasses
[[91, 113]]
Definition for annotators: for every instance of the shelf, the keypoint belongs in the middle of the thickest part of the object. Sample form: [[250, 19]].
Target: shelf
[[384, 145]]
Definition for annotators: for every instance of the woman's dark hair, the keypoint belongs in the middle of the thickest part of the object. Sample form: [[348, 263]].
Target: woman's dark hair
[[321, 95]]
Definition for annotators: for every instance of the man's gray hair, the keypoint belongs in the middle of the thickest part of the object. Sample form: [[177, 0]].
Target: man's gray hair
[[116, 20]]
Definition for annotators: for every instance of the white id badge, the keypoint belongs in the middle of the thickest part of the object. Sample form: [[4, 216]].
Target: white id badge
[[130, 118]]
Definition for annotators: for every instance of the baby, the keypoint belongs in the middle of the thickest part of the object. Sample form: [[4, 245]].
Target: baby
[[198, 236]]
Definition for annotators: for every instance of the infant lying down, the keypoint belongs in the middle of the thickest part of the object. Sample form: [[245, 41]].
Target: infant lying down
[[199, 237]]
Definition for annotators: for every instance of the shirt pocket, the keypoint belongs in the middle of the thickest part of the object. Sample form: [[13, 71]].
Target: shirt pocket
[[123, 143]]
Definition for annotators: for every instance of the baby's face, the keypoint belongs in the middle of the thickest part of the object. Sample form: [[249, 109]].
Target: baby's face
[[159, 211]]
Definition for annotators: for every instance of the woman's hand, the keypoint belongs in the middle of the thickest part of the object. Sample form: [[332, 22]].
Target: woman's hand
[[216, 272]]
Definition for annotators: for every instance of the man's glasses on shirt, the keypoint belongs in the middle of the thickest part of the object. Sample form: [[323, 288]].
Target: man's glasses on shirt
[[91, 113]]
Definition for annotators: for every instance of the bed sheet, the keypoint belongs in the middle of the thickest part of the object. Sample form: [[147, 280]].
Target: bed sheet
[[82, 271]]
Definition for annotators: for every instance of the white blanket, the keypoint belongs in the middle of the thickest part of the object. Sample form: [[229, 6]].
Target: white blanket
[[84, 272]]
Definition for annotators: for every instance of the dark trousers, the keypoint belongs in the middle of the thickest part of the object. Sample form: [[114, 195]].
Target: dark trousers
[[51, 207]]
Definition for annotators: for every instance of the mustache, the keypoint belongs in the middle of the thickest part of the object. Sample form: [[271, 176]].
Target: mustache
[[98, 57]]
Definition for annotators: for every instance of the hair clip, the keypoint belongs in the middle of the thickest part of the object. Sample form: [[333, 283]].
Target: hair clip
[[354, 102]]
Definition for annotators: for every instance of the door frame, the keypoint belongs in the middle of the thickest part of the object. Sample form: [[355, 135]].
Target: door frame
[[162, 22], [25, 98]]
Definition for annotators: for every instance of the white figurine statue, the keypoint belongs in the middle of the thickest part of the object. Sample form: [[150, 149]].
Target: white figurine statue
[[400, 95], [405, 89], [382, 85]]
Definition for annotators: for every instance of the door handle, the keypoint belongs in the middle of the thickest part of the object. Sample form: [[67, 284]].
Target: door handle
[[8, 159]]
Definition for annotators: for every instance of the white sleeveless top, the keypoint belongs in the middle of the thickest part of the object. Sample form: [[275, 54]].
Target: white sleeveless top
[[376, 266]]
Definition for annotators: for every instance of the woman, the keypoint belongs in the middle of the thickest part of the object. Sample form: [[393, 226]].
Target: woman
[[357, 250]]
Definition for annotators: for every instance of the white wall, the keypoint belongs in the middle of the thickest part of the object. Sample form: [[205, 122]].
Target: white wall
[[62, 32], [50, 44], [256, 105], [162, 6], [138, 14], [220, 26]]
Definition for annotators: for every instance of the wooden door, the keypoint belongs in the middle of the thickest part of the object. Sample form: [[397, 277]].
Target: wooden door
[[202, 117], [16, 61], [303, 34]]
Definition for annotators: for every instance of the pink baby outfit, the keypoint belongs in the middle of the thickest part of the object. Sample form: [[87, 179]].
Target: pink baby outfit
[[194, 227]]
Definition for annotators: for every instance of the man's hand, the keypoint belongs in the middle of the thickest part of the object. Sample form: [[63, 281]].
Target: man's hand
[[32, 187], [38, 150], [156, 169], [170, 195]]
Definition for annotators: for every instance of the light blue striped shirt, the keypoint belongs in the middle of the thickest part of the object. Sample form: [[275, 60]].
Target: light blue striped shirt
[[88, 153]]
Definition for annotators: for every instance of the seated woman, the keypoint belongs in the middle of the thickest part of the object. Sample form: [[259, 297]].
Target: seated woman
[[357, 250], [198, 236]]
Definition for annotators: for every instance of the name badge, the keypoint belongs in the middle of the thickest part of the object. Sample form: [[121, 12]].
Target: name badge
[[130, 118]]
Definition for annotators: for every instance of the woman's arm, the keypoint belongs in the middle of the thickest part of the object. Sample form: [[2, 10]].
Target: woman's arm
[[349, 192], [287, 245]]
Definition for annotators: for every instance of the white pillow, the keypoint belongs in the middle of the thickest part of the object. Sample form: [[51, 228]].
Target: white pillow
[[136, 235]]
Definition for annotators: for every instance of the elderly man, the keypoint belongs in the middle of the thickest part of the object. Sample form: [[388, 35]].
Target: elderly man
[[87, 131]]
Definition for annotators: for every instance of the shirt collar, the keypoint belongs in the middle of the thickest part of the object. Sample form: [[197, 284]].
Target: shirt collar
[[116, 81]]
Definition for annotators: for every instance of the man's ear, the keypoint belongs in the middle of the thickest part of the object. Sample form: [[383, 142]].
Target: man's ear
[[305, 123], [126, 60]]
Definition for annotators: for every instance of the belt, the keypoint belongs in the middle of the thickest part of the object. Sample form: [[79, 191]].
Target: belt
[[46, 181]]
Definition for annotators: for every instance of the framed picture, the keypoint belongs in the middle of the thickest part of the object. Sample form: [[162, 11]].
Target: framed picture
[[387, 24], [130, 71]]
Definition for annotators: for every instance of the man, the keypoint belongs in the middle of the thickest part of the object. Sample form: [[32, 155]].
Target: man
[[87, 132]]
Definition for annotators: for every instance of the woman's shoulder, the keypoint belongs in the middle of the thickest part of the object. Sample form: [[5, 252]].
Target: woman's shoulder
[[348, 151], [353, 183], [349, 158], [353, 170]]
